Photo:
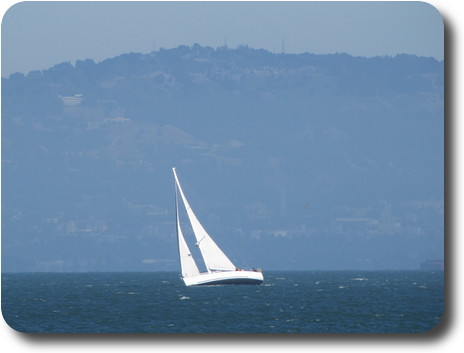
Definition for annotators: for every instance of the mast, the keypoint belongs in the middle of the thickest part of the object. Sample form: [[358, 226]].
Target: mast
[[177, 226], [187, 262]]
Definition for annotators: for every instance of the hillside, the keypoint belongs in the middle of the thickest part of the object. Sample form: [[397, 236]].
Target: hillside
[[291, 161]]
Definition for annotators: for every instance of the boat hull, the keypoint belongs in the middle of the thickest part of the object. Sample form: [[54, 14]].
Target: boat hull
[[224, 277]]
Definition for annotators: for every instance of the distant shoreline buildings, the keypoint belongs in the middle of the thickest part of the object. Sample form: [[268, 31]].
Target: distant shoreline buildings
[[432, 265]]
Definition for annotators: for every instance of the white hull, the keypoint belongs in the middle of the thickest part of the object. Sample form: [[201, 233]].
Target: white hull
[[224, 277]]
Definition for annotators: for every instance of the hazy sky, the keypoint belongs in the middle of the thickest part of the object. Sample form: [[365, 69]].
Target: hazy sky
[[38, 35]]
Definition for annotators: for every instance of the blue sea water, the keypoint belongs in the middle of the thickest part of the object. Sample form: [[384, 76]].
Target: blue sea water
[[305, 302]]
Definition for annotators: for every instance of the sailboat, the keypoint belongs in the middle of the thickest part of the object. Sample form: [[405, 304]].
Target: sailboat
[[219, 269]]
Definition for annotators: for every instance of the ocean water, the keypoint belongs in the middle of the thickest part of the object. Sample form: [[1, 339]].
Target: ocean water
[[304, 302]]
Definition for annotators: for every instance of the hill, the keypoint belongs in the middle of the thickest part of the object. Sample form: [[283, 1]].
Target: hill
[[290, 160]]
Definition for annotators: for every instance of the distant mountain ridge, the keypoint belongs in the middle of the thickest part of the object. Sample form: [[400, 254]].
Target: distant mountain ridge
[[283, 150]]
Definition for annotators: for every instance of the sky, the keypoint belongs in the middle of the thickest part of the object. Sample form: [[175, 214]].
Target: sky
[[38, 35]]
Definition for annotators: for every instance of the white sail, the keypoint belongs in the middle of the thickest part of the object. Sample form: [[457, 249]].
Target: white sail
[[215, 259], [187, 263]]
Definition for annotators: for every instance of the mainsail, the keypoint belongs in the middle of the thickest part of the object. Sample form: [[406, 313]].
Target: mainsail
[[187, 263], [214, 258]]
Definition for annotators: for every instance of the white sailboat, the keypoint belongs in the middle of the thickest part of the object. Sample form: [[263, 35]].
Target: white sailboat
[[220, 270]]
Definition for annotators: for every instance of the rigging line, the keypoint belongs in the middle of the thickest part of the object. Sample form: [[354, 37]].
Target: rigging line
[[198, 242]]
